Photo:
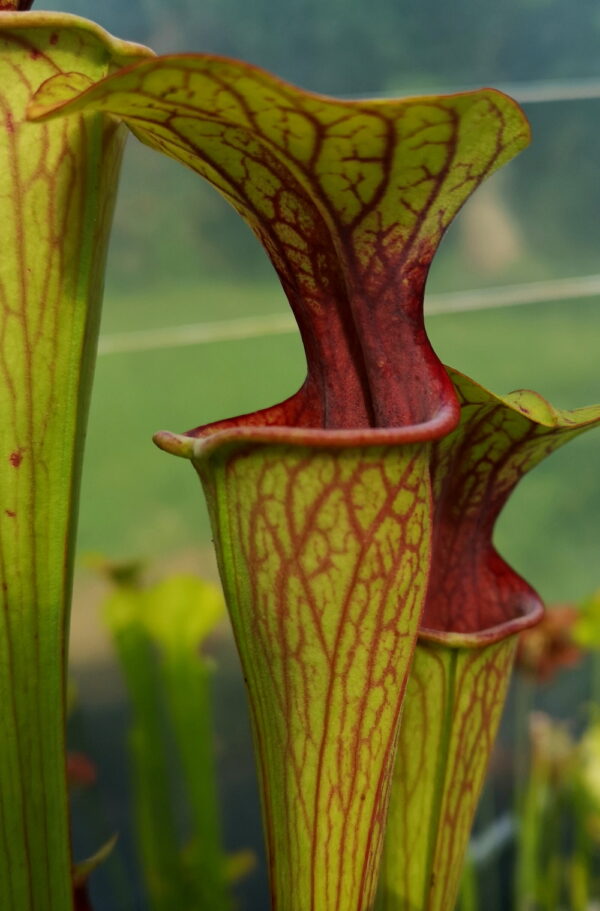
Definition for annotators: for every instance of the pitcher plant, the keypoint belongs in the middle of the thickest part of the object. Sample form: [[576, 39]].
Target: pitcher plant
[[475, 606], [57, 188], [355, 518]]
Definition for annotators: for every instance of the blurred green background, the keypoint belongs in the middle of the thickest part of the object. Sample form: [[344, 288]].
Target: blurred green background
[[180, 256]]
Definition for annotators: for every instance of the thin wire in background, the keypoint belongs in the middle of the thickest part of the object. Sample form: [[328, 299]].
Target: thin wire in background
[[578, 287], [535, 92]]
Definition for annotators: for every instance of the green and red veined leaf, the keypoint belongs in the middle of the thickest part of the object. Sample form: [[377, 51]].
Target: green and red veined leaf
[[350, 200], [57, 187], [323, 552], [474, 470], [476, 604]]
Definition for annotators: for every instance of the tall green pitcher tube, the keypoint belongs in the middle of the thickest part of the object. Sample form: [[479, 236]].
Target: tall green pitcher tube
[[57, 187], [323, 552], [454, 701], [475, 607]]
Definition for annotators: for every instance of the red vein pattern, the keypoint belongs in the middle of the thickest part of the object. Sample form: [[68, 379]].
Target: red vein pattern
[[474, 470], [349, 199], [56, 195], [475, 605], [323, 554], [453, 705], [321, 505]]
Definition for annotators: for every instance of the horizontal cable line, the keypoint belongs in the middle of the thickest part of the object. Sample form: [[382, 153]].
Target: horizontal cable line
[[501, 296], [584, 286], [197, 334], [544, 92], [534, 92]]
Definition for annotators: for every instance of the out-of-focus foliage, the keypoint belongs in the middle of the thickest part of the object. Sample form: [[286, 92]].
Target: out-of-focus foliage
[[158, 632], [550, 646], [587, 628]]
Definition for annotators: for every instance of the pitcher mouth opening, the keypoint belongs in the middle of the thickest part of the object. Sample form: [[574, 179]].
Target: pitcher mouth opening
[[285, 424], [521, 615]]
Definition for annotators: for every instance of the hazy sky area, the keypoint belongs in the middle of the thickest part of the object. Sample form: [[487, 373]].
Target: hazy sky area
[[348, 47]]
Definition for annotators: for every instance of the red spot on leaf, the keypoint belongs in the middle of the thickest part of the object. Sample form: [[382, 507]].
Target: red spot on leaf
[[16, 458], [10, 513], [34, 53], [53, 38], [80, 770], [9, 123]]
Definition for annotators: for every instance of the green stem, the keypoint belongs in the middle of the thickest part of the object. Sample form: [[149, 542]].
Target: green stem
[[595, 678], [550, 874], [186, 679], [527, 872], [581, 866], [524, 690], [156, 829], [469, 891], [487, 815]]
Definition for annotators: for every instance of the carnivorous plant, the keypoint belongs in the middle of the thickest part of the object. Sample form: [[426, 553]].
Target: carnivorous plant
[[343, 513], [353, 521], [57, 187]]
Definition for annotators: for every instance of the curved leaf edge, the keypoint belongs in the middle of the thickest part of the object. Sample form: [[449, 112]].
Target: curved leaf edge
[[44, 106], [531, 612], [530, 404], [268, 425], [189, 446], [371, 393], [124, 53]]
